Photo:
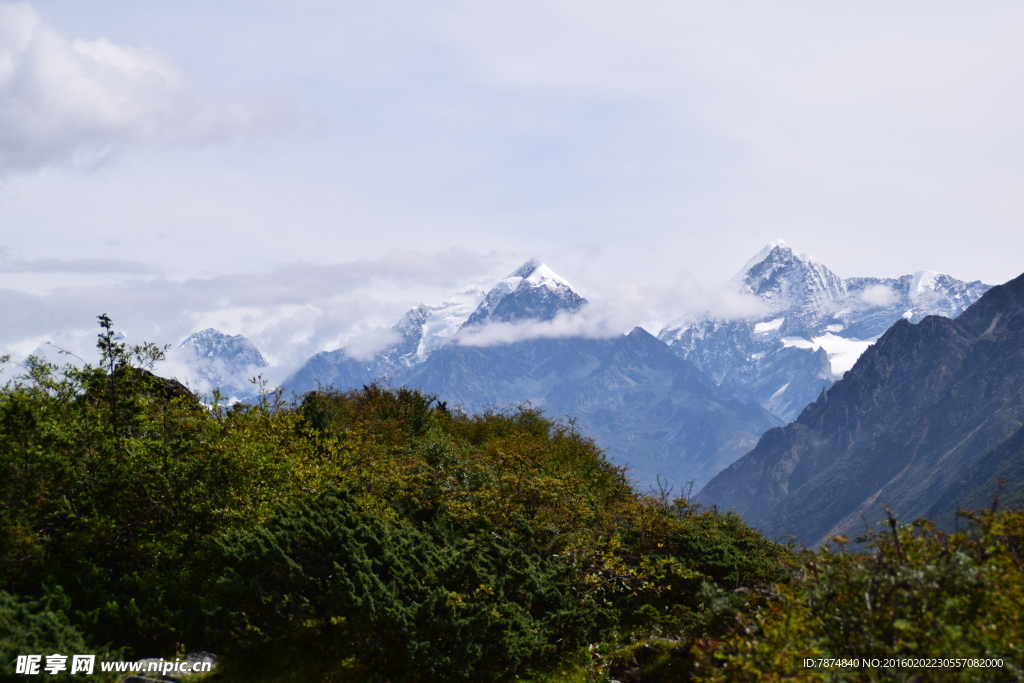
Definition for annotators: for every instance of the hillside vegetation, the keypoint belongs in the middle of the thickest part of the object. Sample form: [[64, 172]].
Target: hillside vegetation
[[377, 535]]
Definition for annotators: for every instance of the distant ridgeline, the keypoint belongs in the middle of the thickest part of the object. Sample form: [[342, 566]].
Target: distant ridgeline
[[929, 420], [681, 406]]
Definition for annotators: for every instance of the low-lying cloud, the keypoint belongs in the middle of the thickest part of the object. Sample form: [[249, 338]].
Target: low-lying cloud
[[289, 313], [620, 307], [878, 296], [587, 322]]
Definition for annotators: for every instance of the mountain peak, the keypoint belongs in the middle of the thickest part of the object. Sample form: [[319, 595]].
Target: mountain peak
[[780, 248], [923, 280], [225, 361], [527, 268], [536, 273], [214, 344], [785, 279], [915, 425], [532, 291], [777, 245]]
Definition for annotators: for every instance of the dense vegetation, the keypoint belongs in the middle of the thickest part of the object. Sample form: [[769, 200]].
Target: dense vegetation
[[378, 535], [922, 594]]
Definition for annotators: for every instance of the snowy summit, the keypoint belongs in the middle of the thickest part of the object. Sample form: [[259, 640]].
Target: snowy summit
[[531, 292]]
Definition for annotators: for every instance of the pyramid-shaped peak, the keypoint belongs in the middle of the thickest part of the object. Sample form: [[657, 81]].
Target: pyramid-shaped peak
[[777, 243], [527, 268], [777, 251], [793, 282], [531, 291], [534, 273]]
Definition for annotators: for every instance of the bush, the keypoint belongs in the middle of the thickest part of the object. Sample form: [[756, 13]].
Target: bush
[[920, 594], [327, 583], [31, 627]]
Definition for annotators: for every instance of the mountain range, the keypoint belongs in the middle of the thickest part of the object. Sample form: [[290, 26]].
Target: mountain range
[[649, 408], [814, 325], [682, 405]]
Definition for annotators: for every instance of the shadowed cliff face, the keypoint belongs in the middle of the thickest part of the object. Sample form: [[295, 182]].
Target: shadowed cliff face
[[921, 424], [640, 402]]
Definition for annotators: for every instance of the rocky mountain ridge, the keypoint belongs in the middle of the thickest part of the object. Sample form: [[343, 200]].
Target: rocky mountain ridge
[[924, 423], [814, 326], [223, 361]]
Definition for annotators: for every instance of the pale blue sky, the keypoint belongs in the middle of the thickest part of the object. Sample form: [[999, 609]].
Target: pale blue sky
[[637, 147]]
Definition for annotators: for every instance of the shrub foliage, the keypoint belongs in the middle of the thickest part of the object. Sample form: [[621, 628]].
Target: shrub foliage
[[379, 535]]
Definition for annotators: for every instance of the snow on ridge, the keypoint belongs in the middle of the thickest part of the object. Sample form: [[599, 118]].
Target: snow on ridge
[[769, 326], [525, 269], [533, 273], [923, 280], [504, 287], [542, 276], [843, 352], [737, 280], [443, 320]]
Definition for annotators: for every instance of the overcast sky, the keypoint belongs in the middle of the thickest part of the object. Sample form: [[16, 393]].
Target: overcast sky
[[302, 172]]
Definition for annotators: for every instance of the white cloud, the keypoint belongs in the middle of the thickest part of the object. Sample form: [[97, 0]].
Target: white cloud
[[685, 301], [621, 306], [78, 101], [587, 322], [290, 313], [364, 345], [877, 296]]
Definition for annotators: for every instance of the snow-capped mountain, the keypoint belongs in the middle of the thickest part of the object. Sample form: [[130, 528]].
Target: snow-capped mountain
[[807, 291], [647, 406], [815, 326], [881, 301], [223, 361], [420, 332], [442, 321], [532, 292]]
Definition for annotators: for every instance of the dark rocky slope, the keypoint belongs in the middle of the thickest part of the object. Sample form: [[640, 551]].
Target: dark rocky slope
[[640, 402], [927, 421]]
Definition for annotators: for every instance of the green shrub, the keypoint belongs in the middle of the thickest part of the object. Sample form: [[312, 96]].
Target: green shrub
[[33, 627], [328, 582], [919, 594]]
